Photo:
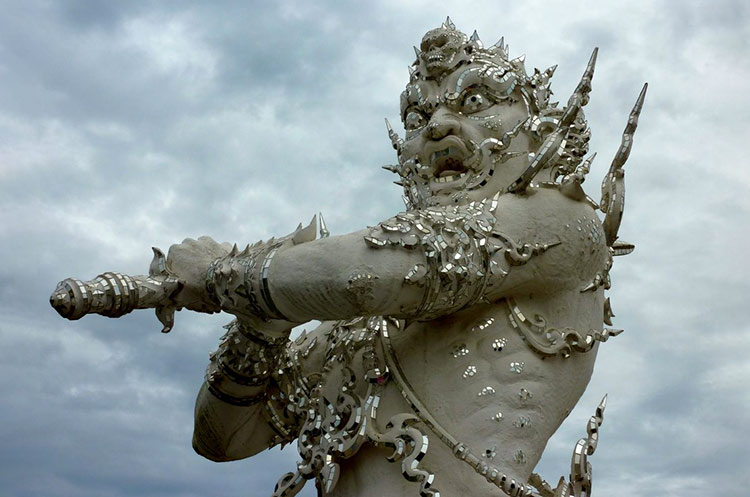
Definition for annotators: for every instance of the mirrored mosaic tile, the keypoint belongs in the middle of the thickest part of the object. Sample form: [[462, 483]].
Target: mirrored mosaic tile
[[499, 344], [484, 325], [486, 391], [519, 457], [516, 366], [524, 395], [460, 351], [470, 371], [522, 422]]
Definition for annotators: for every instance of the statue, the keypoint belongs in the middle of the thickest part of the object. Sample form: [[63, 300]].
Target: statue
[[456, 335]]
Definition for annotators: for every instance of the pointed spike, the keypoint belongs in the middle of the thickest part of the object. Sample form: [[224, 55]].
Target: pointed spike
[[299, 227], [399, 183], [449, 24], [608, 314], [324, 233], [234, 250], [308, 233], [580, 96], [474, 36], [603, 403], [551, 70], [639, 102], [392, 169], [583, 169], [246, 250], [417, 52], [388, 126], [519, 60], [411, 70], [158, 264]]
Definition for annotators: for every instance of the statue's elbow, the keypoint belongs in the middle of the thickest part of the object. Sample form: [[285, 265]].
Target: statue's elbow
[[209, 451]]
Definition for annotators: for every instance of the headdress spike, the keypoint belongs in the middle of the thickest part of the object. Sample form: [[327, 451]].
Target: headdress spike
[[449, 24]]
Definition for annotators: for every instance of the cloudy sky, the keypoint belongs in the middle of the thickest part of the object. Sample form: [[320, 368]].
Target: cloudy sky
[[131, 124]]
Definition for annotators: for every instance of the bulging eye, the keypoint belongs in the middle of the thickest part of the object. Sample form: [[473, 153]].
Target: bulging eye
[[474, 101], [414, 120]]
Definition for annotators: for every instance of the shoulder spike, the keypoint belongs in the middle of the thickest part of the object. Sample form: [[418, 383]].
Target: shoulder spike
[[580, 96], [549, 152], [613, 185]]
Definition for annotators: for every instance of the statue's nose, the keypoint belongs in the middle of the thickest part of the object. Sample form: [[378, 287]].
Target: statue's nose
[[442, 125]]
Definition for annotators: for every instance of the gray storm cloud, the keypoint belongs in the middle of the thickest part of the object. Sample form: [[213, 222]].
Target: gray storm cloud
[[132, 124]]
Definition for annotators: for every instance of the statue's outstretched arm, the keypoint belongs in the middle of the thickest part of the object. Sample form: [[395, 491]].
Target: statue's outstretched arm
[[417, 265]]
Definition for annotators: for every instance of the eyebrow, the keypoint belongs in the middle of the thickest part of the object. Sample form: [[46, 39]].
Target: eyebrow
[[463, 76]]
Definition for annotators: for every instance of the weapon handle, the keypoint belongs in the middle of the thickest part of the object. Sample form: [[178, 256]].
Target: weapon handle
[[114, 294]]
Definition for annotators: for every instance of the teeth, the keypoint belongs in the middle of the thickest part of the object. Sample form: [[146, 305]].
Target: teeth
[[447, 179]]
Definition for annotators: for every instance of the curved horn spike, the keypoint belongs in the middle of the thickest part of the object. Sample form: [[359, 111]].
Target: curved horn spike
[[550, 71], [613, 185], [627, 135], [580, 96]]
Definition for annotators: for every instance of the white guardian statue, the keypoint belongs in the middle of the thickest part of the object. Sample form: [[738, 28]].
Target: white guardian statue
[[456, 336]]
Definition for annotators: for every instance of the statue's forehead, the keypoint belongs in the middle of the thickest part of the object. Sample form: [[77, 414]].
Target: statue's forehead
[[430, 92]]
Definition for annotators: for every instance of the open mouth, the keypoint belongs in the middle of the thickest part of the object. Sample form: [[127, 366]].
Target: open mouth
[[448, 164]]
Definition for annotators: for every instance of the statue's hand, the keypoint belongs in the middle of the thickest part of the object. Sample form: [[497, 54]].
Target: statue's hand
[[189, 262]]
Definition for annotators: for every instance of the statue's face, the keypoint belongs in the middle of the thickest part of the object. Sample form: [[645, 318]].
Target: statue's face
[[464, 133]]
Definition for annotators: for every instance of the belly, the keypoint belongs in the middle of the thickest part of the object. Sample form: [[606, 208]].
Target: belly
[[486, 387]]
